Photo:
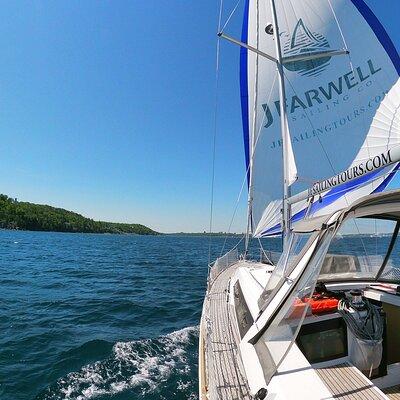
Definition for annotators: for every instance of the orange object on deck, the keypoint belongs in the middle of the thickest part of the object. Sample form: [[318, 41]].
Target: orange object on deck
[[323, 305], [318, 305]]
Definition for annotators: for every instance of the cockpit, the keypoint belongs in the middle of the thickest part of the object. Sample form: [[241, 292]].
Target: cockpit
[[332, 304]]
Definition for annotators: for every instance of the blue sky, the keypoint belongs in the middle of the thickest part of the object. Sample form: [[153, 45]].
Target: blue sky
[[107, 109]]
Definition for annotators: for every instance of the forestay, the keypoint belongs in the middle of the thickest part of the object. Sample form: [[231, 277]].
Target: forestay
[[331, 101]]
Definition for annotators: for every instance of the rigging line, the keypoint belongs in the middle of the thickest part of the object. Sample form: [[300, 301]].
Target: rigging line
[[240, 241], [221, 6], [351, 66], [350, 61], [230, 16], [264, 113], [257, 137], [263, 251], [285, 15], [312, 126], [248, 167], [340, 29], [236, 207], [259, 130], [263, 119], [359, 232], [214, 140], [312, 8], [235, 246]]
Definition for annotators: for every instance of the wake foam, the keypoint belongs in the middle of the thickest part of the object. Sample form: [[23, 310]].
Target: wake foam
[[142, 366]]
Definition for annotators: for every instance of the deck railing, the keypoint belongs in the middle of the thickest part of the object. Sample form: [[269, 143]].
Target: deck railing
[[232, 256], [222, 263], [269, 257]]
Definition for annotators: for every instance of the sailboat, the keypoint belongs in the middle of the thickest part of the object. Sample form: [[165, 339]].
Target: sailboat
[[320, 96]]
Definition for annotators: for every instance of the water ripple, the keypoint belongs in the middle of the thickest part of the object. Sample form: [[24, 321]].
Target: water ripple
[[90, 316]]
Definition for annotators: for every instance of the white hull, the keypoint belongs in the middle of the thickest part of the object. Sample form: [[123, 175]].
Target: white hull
[[202, 362]]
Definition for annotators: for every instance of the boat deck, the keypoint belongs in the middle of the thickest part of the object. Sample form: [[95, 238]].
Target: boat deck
[[225, 378], [392, 392], [226, 381], [345, 382]]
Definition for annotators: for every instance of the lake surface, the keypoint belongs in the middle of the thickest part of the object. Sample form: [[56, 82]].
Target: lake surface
[[86, 316]]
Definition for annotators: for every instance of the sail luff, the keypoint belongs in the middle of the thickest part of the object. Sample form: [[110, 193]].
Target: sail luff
[[244, 94], [252, 143], [244, 90]]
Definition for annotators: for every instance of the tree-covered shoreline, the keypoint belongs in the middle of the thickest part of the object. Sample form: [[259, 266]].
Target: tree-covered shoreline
[[39, 217]]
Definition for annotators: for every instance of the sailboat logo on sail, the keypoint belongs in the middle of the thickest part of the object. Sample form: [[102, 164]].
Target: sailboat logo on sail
[[304, 41]]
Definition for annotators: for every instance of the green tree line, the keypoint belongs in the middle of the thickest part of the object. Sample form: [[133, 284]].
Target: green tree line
[[37, 217]]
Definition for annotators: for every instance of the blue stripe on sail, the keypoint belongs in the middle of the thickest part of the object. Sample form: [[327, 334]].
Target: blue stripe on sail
[[387, 180], [379, 31], [335, 194], [339, 191], [244, 94]]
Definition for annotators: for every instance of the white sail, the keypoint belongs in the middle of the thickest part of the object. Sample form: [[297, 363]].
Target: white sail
[[292, 168], [383, 135], [331, 100]]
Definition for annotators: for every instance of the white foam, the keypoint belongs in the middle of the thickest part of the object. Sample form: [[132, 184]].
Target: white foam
[[145, 363]]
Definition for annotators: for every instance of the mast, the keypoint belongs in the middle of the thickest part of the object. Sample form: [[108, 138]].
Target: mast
[[286, 210]]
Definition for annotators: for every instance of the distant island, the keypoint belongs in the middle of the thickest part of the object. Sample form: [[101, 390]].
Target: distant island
[[37, 217], [204, 233]]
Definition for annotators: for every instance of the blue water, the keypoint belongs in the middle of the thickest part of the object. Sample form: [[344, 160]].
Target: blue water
[[86, 316]]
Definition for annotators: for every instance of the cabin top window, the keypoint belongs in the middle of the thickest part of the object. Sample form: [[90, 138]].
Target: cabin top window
[[364, 249], [287, 261]]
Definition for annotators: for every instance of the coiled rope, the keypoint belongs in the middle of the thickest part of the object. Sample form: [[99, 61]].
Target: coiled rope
[[367, 327]]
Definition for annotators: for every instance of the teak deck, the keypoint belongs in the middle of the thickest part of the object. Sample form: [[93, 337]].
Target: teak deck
[[345, 382], [226, 380], [392, 392]]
